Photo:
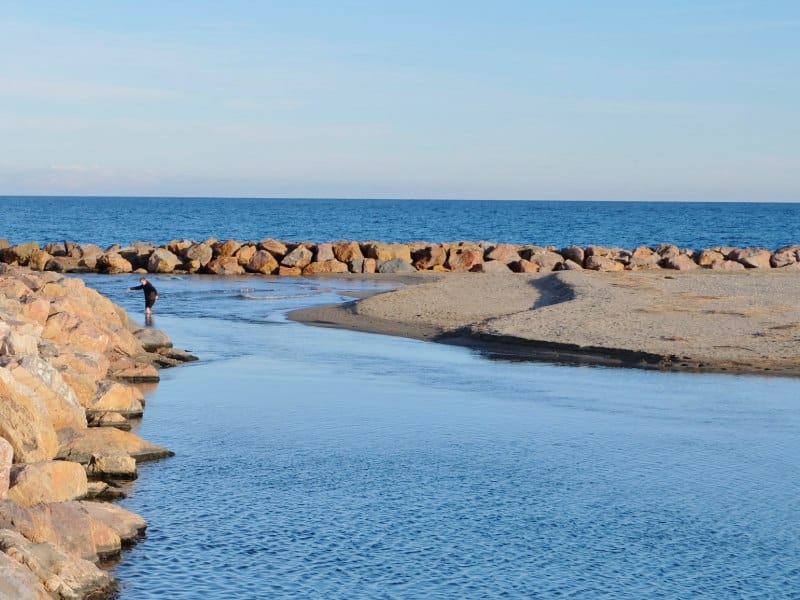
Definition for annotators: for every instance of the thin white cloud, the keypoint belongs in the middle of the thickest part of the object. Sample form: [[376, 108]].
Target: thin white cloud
[[43, 89]]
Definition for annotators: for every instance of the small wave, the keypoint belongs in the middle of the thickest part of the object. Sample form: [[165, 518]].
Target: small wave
[[272, 296]]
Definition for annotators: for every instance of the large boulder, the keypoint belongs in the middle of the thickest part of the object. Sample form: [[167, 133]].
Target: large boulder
[[300, 257], [112, 396], [113, 263], [275, 247], [573, 253], [38, 260], [225, 265], [325, 266], [80, 446], [152, 339], [112, 468], [19, 253], [679, 262], [64, 408], [708, 257], [786, 256], [429, 257], [546, 260], [462, 257], [381, 251], [324, 252], [752, 258], [504, 253], [48, 481], [597, 262], [245, 254], [162, 261], [201, 252], [48, 572], [262, 262], [347, 252], [25, 421], [226, 249], [395, 265]]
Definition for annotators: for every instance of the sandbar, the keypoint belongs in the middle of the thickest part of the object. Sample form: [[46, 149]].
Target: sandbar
[[737, 322]]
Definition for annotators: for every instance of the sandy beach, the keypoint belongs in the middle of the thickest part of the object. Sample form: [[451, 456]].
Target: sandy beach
[[743, 322]]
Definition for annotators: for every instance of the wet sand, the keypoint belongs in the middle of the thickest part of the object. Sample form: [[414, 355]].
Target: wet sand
[[745, 322]]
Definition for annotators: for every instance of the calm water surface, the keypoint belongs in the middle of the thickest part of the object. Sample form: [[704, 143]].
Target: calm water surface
[[316, 463], [106, 221]]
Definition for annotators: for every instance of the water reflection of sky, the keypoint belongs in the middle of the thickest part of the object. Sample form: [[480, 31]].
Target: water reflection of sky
[[327, 463]]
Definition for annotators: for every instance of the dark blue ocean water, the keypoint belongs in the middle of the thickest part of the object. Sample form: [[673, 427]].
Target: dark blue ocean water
[[319, 463], [105, 221]]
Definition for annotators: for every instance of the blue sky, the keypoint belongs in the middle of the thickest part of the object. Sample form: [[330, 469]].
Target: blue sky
[[679, 100]]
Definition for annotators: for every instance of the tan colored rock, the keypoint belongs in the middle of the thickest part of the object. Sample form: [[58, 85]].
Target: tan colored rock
[[727, 265], [18, 338], [226, 248], [162, 261], [464, 257], [38, 260], [152, 339], [132, 371], [599, 251], [126, 524], [202, 253], [245, 254], [19, 253], [47, 384], [225, 265], [25, 422], [381, 251], [573, 253], [679, 262], [6, 458], [347, 252], [54, 571], [752, 258], [668, 250], [116, 397], [523, 266], [709, 257], [62, 264], [571, 265], [324, 252], [114, 467], [492, 266], [263, 262], [429, 256], [80, 446], [546, 261], [114, 263], [275, 247], [504, 253], [290, 271], [69, 527], [17, 582], [49, 481], [595, 262], [326, 266], [788, 255], [300, 257], [370, 265], [109, 419]]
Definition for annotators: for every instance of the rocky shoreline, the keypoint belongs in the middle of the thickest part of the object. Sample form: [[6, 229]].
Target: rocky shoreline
[[275, 257], [70, 360]]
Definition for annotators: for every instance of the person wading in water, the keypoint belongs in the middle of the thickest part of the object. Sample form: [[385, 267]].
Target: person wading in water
[[150, 296]]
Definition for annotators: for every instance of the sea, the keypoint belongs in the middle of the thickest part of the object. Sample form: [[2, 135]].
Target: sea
[[323, 463], [109, 220]]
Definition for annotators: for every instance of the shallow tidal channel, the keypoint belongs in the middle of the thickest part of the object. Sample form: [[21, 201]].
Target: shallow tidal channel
[[320, 463]]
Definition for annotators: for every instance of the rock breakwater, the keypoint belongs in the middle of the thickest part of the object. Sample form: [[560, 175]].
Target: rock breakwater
[[68, 359], [275, 257]]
